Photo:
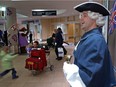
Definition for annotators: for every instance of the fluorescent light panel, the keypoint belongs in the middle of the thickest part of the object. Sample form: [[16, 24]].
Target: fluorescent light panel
[[2, 8], [42, 9]]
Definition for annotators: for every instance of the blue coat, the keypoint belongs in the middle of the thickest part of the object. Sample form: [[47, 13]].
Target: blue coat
[[93, 59]]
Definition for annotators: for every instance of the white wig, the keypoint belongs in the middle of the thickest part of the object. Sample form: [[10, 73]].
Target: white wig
[[100, 19]]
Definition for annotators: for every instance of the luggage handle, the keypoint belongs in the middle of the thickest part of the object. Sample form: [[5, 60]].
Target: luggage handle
[[36, 56]]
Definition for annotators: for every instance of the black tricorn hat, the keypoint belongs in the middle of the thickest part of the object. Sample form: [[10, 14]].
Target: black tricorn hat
[[94, 7]]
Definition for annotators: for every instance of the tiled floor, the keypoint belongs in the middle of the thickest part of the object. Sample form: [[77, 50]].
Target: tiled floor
[[46, 78]]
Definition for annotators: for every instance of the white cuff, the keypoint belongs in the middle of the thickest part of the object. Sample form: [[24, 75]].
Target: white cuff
[[71, 72]]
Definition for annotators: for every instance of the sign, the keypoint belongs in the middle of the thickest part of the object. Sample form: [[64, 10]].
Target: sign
[[31, 21], [43, 13]]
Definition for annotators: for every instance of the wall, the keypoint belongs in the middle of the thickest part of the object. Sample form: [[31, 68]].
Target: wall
[[48, 25], [2, 27], [46, 28], [69, 25], [70, 32]]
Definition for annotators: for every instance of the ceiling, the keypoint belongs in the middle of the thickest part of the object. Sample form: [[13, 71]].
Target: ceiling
[[24, 7]]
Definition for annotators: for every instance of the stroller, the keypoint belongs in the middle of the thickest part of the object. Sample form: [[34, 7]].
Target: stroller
[[50, 42], [37, 60]]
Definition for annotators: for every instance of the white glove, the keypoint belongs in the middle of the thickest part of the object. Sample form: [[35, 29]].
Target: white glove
[[71, 72]]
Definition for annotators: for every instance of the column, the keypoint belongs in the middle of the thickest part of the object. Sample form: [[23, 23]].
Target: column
[[12, 29]]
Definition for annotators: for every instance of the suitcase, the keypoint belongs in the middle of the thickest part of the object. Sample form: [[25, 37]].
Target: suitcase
[[34, 64], [37, 61]]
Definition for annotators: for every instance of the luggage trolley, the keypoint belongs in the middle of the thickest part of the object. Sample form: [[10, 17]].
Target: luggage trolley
[[47, 51], [38, 60]]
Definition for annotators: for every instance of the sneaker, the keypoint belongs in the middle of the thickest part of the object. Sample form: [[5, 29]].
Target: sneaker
[[15, 77]]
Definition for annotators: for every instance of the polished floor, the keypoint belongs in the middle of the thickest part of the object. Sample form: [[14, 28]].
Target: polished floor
[[46, 78]]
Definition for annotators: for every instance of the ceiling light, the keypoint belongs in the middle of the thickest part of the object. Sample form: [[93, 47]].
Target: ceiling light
[[2, 9], [43, 9], [38, 9]]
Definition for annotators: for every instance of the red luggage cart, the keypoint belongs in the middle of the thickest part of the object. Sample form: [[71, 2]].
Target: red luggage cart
[[37, 60]]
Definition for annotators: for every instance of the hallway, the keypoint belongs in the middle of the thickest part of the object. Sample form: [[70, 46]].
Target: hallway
[[46, 78]]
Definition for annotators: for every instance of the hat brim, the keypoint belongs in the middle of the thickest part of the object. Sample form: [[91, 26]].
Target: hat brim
[[94, 7]]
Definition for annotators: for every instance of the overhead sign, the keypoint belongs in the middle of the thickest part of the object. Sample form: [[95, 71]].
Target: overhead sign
[[43, 13], [31, 21]]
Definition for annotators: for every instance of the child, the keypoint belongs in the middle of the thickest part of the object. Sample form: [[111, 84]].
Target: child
[[35, 44], [6, 62], [32, 46], [29, 48]]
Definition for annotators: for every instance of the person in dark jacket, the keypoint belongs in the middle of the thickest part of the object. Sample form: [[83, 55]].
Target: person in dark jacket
[[1, 35], [59, 43], [53, 37], [30, 37], [92, 64]]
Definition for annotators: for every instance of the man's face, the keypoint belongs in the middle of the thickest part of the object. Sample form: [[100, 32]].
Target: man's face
[[86, 22]]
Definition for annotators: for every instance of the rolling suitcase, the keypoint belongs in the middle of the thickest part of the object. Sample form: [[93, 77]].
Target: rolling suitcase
[[34, 64], [37, 61]]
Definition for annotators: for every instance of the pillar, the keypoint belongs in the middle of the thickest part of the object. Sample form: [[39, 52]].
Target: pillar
[[11, 28]]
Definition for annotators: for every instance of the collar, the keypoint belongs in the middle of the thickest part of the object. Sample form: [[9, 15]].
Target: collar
[[91, 32]]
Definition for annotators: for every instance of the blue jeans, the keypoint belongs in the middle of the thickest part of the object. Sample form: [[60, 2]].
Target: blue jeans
[[7, 71]]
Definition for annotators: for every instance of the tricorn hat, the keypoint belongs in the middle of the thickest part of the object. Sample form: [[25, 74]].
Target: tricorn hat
[[92, 6]]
